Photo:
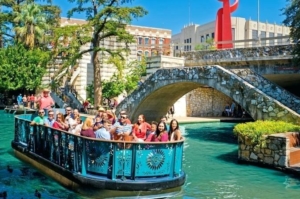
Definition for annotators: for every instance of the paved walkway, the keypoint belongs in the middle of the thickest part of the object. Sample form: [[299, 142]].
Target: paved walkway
[[210, 119]]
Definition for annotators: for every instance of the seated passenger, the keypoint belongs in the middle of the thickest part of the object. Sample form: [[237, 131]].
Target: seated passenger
[[164, 119], [69, 113], [140, 129], [124, 113], [111, 116], [151, 133], [78, 127], [87, 128], [49, 121], [98, 123], [174, 133], [101, 110], [60, 123], [39, 120], [121, 129], [103, 132], [161, 133]]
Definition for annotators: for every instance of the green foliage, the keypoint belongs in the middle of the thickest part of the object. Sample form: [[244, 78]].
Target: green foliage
[[199, 47], [208, 45], [21, 68], [15, 13], [112, 88], [255, 131], [90, 93], [106, 19], [292, 20]]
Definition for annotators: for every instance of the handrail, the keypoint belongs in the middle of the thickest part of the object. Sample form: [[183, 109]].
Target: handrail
[[114, 160]]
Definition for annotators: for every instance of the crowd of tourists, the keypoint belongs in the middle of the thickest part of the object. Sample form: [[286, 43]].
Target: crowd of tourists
[[106, 125], [40, 101]]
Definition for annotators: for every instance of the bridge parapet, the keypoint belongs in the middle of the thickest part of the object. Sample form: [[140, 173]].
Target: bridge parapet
[[239, 54], [269, 88]]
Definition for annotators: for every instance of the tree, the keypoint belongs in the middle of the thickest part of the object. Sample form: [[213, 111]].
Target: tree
[[21, 68], [31, 25], [199, 47], [292, 20], [106, 18], [13, 8]]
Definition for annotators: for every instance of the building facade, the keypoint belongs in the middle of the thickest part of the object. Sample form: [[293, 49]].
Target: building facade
[[148, 42], [245, 33]]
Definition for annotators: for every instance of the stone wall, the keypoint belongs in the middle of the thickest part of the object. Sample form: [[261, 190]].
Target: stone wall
[[275, 152], [206, 102]]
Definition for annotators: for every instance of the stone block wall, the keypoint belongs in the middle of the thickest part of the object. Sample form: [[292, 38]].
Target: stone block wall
[[206, 102], [276, 151]]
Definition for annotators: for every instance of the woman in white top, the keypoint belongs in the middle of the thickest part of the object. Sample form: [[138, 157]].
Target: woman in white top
[[174, 132]]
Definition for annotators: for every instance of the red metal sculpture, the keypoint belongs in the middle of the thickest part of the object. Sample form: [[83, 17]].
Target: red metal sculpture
[[223, 33]]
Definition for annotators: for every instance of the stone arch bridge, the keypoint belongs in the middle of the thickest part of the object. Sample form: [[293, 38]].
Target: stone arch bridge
[[164, 87]]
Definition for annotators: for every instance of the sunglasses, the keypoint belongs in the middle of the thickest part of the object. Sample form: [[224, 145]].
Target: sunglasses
[[51, 114], [68, 110], [41, 112], [123, 117]]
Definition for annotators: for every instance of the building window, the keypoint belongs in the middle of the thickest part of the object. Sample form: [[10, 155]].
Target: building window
[[146, 41], [176, 47], [161, 41], [263, 35], [213, 35], [233, 33], [254, 34], [190, 40], [139, 55], [146, 54], [279, 41], [140, 40], [207, 36], [153, 41], [202, 39], [271, 41]]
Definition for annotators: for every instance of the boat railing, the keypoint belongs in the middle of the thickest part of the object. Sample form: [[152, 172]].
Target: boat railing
[[96, 158]]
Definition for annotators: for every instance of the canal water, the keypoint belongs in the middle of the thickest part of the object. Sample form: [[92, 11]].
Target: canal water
[[210, 162]]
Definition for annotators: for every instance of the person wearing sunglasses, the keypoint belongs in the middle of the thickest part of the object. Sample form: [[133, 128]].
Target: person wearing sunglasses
[[39, 120], [49, 121], [121, 128]]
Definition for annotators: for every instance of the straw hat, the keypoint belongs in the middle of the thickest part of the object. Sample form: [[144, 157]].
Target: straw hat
[[46, 90], [101, 109]]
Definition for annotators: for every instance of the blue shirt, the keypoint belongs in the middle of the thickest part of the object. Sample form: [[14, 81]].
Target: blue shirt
[[49, 122], [20, 98], [102, 133], [122, 128]]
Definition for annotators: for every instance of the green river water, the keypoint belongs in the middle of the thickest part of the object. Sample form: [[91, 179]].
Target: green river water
[[210, 162]]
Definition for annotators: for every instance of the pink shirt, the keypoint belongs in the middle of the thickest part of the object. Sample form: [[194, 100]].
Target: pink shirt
[[164, 138], [46, 102]]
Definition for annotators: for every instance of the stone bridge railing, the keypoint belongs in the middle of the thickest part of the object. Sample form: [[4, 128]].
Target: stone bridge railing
[[269, 88], [241, 54]]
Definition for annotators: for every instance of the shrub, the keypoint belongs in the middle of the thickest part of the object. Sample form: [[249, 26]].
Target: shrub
[[255, 131]]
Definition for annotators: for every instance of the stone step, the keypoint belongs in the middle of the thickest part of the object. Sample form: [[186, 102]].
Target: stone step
[[294, 155]]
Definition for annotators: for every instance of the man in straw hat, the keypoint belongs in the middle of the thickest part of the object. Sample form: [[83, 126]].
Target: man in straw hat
[[45, 101]]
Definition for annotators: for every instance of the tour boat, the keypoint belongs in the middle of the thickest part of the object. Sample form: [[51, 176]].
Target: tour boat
[[81, 163]]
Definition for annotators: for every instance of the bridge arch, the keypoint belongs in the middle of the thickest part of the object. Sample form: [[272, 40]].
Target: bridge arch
[[164, 87]]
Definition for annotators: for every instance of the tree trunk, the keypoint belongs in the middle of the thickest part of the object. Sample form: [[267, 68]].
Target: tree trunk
[[97, 80]]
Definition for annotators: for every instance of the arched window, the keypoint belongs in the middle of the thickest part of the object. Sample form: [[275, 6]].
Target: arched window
[[146, 54], [139, 55]]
